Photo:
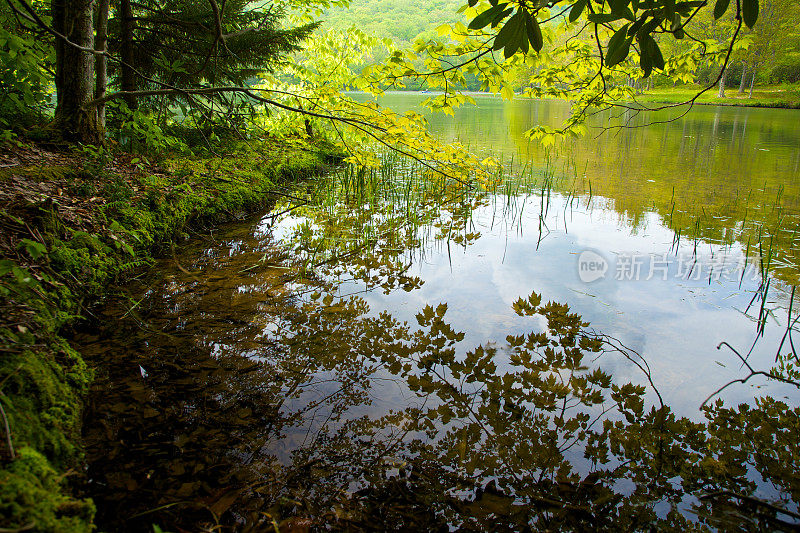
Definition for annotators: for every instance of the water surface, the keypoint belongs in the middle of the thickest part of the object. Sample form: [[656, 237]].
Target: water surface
[[357, 363]]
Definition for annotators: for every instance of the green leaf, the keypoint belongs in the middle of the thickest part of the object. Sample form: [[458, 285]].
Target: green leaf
[[534, 33], [650, 55], [720, 8], [34, 249], [487, 17], [655, 54], [648, 28], [618, 46], [646, 64], [618, 6], [506, 34], [575, 12], [602, 18], [669, 9], [750, 12], [501, 16], [638, 24], [5, 266], [21, 274], [517, 43], [512, 35]]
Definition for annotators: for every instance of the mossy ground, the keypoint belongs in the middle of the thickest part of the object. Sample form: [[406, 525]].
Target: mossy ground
[[73, 223]]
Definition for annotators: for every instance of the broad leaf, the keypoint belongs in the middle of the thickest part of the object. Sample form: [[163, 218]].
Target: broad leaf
[[577, 9], [720, 8], [618, 46], [534, 33], [487, 17], [750, 12]]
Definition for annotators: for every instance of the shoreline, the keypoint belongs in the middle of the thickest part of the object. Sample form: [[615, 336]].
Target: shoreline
[[653, 98], [75, 226]]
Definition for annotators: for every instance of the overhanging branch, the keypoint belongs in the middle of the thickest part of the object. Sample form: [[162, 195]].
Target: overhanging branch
[[220, 90]]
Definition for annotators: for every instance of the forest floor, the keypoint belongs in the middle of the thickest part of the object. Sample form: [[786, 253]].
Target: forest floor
[[74, 222]]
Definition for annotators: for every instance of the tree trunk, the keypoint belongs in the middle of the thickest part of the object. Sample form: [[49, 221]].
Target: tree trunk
[[744, 77], [101, 65], [57, 9], [722, 82], [128, 53], [75, 81], [752, 82]]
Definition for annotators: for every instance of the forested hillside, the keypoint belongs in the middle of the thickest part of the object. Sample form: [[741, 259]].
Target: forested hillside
[[400, 20], [770, 54]]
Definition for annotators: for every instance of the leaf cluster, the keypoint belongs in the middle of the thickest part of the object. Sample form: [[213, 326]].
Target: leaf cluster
[[642, 20]]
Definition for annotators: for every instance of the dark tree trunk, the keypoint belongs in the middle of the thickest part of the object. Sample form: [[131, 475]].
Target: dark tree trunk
[[75, 80], [101, 40], [128, 52]]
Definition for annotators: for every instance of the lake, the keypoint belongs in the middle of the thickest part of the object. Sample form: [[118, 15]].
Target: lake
[[300, 369], [674, 209]]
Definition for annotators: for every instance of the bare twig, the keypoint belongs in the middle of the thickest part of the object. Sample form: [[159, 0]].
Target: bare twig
[[752, 373], [748, 499]]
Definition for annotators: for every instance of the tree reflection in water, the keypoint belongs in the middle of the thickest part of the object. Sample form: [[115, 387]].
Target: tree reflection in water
[[236, 395]]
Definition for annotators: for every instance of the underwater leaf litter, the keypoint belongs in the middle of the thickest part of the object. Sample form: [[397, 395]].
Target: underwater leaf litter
[[73, 222], [247, 393]]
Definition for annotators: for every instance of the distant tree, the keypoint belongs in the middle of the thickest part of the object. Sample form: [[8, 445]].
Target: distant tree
[[771, 39], [73, 24], [715, 33]]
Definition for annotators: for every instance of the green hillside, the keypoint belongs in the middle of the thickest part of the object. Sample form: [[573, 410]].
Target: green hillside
[[400, 20]]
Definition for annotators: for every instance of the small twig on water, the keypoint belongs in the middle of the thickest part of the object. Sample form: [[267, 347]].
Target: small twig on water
[[749, 499], [752, 373]]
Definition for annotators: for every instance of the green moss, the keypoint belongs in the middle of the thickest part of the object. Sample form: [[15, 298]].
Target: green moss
[[42, 379], [33, 497], [42, 400], [87, 258], [48, 173]]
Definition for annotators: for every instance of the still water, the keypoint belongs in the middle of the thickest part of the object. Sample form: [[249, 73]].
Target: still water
[[300, 371], [671, 210]]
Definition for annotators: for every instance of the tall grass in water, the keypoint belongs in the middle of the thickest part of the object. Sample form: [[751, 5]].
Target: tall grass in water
[[403, 196]]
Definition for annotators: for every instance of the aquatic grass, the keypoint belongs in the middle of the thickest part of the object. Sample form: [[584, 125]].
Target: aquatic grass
[[402, 195], [382, 215]]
